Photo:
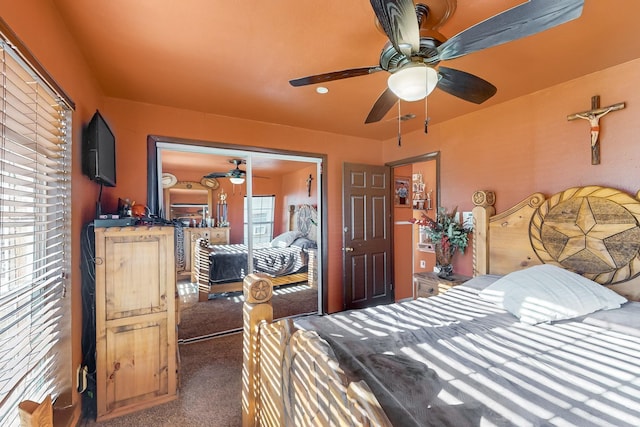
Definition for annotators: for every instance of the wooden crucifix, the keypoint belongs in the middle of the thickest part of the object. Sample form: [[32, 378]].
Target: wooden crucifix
[[593, 116], [309, 185]]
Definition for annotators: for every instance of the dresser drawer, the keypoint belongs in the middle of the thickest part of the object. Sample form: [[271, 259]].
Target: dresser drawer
[[429, 284], [219, 236], [424, 288]]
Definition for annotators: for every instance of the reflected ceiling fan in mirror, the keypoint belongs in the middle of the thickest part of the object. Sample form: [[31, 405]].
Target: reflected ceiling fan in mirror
[[236, 175], [415, 47]]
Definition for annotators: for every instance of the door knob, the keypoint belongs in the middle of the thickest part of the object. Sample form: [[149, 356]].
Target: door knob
[[347, 249]]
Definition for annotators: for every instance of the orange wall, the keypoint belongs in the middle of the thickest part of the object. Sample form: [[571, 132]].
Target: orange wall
[[132, 122], [294, 185], [527, 145]]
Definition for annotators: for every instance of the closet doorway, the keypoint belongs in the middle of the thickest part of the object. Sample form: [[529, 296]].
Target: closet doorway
[[252, 213]]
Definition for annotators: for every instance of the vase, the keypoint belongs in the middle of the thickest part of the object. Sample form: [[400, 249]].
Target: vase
[[444, 256]]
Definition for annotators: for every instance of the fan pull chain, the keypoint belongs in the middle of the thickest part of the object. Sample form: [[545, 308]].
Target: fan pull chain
[[399, 126], [426, 116]]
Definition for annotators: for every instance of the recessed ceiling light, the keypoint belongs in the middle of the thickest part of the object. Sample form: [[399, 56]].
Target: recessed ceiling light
[[322, 89]]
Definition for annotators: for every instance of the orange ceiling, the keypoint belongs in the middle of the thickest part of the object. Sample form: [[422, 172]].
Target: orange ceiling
[[235, 58], [204, 163]]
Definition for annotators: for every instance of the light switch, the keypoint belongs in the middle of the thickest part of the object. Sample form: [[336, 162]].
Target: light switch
[[423, 263]]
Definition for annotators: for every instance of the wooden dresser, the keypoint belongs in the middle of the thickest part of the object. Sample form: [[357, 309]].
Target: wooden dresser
[[216, 236], [428, 284], [135, 285]]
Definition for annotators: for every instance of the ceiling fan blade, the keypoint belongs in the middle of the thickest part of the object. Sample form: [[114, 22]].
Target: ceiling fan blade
[[335, 75], [464, 85], [400, 23], [523, 20], [216, 175], [382, 106]]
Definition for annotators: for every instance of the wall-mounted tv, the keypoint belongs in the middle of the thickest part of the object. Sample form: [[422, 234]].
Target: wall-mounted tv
[[99, 152]]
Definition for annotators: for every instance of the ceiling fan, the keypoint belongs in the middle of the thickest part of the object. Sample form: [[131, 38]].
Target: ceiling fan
[[415, 49], [236, 175]]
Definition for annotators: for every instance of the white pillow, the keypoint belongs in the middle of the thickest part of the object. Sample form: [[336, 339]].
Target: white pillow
[[545, 293], [285, 239]]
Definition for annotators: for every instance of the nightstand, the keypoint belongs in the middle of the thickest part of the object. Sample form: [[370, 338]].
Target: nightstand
[[428, 284]]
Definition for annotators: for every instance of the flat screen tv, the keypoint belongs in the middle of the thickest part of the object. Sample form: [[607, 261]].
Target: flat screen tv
[[99, 152]]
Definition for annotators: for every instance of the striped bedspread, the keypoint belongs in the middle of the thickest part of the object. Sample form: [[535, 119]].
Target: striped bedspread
[[455, 360], [229, 262]]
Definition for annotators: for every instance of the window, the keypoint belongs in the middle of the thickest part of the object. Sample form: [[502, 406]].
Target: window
[[262, 214], [35, 165]]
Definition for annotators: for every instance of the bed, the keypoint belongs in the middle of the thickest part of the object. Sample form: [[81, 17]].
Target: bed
[[222, 268], [527, 341]]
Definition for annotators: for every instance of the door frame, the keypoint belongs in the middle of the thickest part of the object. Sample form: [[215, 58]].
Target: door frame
[[434, 155], [431, 156]]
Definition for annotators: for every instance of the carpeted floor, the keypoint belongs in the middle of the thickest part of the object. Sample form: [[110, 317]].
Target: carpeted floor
[[224, 312], [210, 385], [210, 389]]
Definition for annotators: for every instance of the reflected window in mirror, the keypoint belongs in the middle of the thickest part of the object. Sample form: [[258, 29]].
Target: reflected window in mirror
[[262, 219]]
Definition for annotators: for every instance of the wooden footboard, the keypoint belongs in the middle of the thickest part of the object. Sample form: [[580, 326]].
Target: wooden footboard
[[291, 377]]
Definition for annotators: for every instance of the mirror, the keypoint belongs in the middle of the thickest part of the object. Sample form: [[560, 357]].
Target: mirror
[[287, 177], [191, 203]]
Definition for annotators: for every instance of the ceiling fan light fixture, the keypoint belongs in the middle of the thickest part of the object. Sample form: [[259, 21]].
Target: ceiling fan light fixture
[[236, 180], [413, 82]]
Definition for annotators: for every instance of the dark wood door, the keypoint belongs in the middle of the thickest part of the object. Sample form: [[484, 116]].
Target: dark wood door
[[366, 239]]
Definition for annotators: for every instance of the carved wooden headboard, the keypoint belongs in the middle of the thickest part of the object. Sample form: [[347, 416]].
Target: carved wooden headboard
[[594, 231], [304, 218]]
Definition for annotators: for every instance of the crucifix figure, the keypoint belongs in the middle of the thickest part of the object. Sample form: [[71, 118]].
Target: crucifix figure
[[309, 185], [593, 116]]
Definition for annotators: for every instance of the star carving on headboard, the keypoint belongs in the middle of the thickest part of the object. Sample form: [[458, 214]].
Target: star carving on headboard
[[592, 234], [586, 238]]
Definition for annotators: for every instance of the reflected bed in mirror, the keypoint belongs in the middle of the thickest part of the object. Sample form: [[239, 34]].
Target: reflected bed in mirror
[[289, 258]]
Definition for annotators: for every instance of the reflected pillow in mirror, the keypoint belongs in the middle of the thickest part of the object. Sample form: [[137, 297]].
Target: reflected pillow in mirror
[[285, 239], [304, 243]]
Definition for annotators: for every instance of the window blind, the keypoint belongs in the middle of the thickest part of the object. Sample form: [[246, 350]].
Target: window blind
[[35, 238]]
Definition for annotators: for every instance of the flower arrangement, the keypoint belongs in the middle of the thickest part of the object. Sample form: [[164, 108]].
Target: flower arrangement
[[447, 234]]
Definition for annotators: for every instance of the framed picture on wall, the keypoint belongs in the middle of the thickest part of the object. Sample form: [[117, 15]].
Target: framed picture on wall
[[402, 187]]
